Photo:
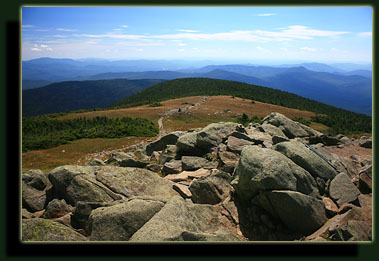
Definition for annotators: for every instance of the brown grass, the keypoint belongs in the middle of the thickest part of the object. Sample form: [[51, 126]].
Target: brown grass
[[214, 109]]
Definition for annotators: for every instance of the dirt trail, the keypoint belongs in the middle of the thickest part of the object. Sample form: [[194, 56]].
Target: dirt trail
[[162, 131]]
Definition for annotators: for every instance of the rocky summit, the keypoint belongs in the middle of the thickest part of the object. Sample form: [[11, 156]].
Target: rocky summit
[[278, 180]]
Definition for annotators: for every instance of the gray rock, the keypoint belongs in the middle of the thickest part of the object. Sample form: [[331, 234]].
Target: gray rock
[[79, 183], [211, 189], [82, 211], [96, 162], [236, 145], [38, 229], [307, 159], [365, 142], [56, 208], [213, 134], [121, 221], [272, 130], [342, 190], [266, 169], [324, 139], [354, 230], [186, 144], [161, 144], [192, 236], [193, 163], [35, 178], [33, 199], [228, 161], [127, 160], [299, 212], [179, 216], [172, 167], [289, 127], [135, 182]]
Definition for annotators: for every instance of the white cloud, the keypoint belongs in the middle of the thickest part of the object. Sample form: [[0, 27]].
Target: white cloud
[[260, 48], [43, 46], [117, 29], [181, 44], [265, 14], [65, 30], [187, 31], [27, 26], [308, 49], [180, 50], [49, 49], [125, 26], [91, 42], [290, 33], [365, 34], [36, 49], [139, 50], [284, 49]]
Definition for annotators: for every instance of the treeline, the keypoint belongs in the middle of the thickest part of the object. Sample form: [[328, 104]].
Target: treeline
[[337, 119], [42, 132]]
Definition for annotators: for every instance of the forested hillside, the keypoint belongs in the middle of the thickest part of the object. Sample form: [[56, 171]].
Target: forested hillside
[[77, 95], [338, 120]]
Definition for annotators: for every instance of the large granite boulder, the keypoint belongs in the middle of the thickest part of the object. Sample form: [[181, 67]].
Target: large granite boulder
[[186, 144], [342, 189], [119, 222], [179, 217], [35, 178], [307, 159], [161, 144], [299, 212], [290, 128], [211, 189], [213, 134], [39, 229], [190, 163], [266, 169], [79, 183], [135, 182]]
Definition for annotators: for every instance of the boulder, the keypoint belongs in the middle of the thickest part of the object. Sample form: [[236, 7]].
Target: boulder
[[38, 229], [193, 163], [82, 211], [227, 161], [289, 127], [266, 169], [172, 167], [365, 142], [324, 139], [307, 159], [186, 144], [79, 183], [33, 199], [213, 134], [135, 182], [126, 160], [56, 209], [299, 212], [161, 144], [121, 221], [179, 216], [272, 130], [331, 208], [236, 145], [35, 178], [211, 189], [342, 190], [96, 162]]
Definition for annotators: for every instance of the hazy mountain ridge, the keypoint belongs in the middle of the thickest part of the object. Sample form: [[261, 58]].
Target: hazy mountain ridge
[[344, 89]]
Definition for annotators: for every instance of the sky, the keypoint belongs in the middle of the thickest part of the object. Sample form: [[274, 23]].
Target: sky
[[283, 34]]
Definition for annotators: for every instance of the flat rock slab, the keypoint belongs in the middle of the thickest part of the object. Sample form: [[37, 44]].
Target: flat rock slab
[[342, 189], [121, 221], [194, 163], [183, 190]]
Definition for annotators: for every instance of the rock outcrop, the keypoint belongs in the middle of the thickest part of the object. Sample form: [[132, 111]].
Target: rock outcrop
[[223, 182]]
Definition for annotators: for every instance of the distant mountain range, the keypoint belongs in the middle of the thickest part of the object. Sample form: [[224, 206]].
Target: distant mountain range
[[77, 95], [350, 90]]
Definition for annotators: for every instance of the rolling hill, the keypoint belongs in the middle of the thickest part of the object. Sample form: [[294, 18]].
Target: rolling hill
[[77, 95], [339, 118]]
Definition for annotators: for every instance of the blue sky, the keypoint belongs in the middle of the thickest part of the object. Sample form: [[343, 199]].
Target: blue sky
[[282, 34]]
